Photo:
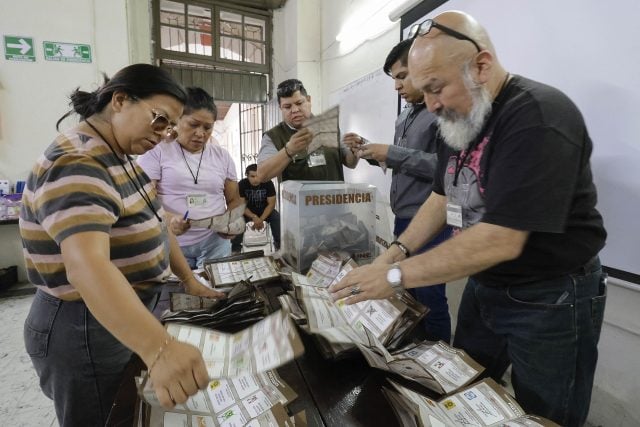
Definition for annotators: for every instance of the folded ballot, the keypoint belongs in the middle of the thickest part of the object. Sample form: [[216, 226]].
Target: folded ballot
[[230, 222], [482, 404], [225, 273], [338, 327], [234, 401]]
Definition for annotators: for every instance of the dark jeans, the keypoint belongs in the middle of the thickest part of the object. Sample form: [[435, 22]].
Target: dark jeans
[[274, 222], [437, 322], [548, 330], [79, 362]]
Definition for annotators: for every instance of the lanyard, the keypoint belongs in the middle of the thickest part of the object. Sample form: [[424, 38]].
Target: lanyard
[[411, 117], [139, 189], [195, 177]]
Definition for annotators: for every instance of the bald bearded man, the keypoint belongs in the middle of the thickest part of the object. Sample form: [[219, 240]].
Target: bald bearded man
[[515, 182]]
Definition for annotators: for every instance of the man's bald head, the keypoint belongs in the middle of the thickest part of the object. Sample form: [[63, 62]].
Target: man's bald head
[[458, 79]]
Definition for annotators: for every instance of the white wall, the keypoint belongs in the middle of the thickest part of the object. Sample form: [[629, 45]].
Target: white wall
[[33, 95]]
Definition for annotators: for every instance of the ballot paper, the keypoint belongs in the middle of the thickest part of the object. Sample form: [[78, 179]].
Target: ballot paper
[[224, 274], [269, 343], [434, 365], [325, 129], [340, 326], [230, 222], [484, 403], [239, 401]]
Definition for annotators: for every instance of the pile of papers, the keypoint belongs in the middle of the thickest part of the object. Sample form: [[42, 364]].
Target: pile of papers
[[339, 327], [482, 404], [251, 400], [224, 273], [244, 305]]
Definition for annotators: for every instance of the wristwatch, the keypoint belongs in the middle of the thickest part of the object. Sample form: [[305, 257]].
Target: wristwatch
[[394, 278]]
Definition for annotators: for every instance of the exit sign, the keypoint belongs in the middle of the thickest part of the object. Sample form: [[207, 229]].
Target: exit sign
[[19, 48], [67, 52]]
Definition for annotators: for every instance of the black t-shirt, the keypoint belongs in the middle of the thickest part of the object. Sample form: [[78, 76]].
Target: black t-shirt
[[256, 197], [529, 170]]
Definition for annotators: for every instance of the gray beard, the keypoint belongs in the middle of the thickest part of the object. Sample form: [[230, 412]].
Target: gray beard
[[457, 130]]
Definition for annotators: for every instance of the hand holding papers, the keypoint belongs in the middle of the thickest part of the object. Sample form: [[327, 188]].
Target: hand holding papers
[[324, 128], [230, 222]]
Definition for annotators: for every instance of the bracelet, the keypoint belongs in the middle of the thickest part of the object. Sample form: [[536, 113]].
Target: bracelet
[[287, 151], [163, 347], [402, 248]]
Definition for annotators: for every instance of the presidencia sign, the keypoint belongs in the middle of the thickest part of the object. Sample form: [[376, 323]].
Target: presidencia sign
[[67, 52], [19, 48]]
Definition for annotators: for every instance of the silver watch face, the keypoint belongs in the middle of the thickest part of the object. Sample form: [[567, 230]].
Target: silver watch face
[[394, 276]]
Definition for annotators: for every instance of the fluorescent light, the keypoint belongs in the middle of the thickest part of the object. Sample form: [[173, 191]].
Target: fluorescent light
[[365, 23]]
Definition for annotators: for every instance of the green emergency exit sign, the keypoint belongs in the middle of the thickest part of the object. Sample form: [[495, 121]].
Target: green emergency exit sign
[[67, 52], [19, 48]]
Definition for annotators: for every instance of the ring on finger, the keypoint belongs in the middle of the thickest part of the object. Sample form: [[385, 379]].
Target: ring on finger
[[355, 290]]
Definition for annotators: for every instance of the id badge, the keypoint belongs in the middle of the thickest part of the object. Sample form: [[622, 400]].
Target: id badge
[[402, 142], [454, 215], [316, 159], [196, 200]]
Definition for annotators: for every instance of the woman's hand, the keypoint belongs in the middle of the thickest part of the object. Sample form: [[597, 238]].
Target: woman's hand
[[177, 373], [178, 225], [193, 287]]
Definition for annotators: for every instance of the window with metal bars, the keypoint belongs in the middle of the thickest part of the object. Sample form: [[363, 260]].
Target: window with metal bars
[[251, 129], [214, 33]]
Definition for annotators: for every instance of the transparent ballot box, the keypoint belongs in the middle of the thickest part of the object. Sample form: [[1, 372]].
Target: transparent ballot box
[[327, 216]]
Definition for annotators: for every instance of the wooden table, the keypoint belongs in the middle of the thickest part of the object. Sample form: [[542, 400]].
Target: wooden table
[[341, 393]]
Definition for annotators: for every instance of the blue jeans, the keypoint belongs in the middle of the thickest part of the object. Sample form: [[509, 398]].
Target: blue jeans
[[437, 322], [548, 330], [79, 362], [212, 247]]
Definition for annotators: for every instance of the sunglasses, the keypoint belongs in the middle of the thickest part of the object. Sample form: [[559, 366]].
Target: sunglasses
[[425, 26], [160, 122]]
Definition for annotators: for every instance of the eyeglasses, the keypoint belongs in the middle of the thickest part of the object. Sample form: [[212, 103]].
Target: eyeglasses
[[160, 122], [425, 26]]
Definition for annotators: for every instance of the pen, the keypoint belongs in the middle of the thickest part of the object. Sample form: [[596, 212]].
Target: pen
[[186, 215]]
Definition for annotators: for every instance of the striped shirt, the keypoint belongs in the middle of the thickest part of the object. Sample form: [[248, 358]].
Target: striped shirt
[[79, 185]]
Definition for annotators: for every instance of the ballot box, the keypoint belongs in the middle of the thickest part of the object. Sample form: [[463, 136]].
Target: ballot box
[[327, 216]]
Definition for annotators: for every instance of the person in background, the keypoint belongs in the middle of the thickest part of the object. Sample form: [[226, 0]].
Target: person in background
[[283, 149], [261, 205], [514, 180], [195, 178], [413, 158], [98, 251]]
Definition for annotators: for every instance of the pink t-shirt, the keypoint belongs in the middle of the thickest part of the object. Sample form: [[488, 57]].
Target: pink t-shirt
[[166, 165]]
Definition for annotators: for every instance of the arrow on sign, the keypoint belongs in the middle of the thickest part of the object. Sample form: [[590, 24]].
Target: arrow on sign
[[23, 46]]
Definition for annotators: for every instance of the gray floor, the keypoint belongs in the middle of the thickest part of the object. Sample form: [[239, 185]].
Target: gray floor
[[21, 401]]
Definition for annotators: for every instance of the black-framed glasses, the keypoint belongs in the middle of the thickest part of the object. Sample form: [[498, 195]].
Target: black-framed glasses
[[425, 26]]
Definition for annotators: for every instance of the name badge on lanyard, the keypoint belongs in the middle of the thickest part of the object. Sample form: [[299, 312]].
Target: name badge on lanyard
[[454, 215], [196, 200], [316, 158]]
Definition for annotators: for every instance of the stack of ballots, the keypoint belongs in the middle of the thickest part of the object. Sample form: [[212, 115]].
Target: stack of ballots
[[225, 273], [244, 387], [244, 305], [338, 327]]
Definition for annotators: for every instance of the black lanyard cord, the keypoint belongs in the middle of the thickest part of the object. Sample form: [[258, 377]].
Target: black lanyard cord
[[195, 177], [139, 186]]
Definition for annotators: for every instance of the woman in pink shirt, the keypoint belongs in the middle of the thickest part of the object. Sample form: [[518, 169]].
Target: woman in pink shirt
[[195, 180]]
